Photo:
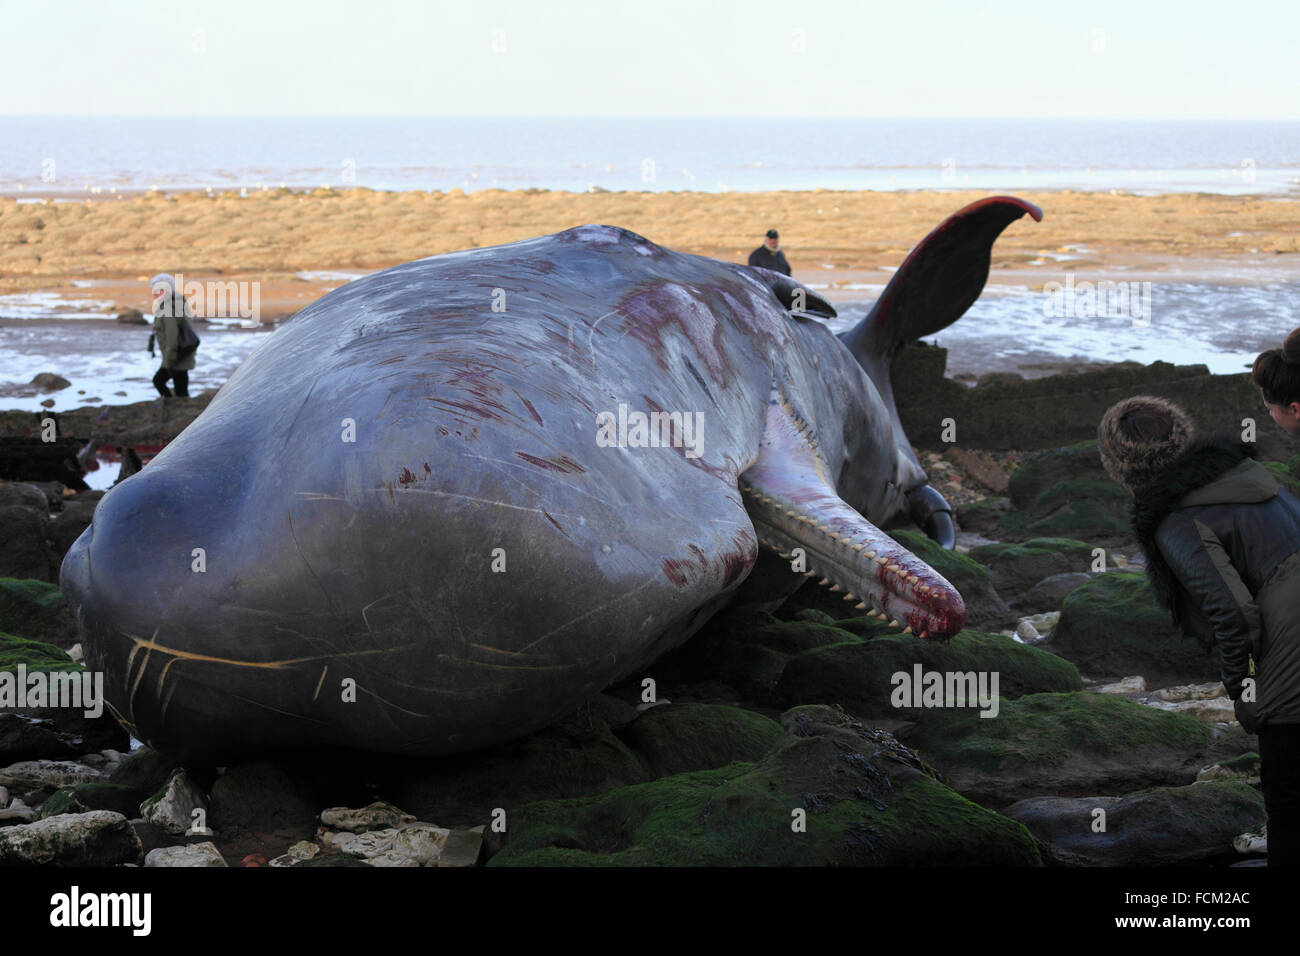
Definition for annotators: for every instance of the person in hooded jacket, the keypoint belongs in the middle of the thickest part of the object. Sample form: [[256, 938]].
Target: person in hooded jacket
[[1222, 543], [168, 306]]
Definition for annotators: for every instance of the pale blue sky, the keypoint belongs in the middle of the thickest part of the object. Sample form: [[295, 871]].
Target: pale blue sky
[[1101, 59]]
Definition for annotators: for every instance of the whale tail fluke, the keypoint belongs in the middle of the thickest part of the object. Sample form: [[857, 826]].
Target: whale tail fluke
[[938, 281]]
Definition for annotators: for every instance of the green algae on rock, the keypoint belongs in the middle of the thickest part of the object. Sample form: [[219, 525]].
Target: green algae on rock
[[831, 793], [676, 738], [860, 675], [1064, 744], [1113, 627], [36, 610], [1161, 826]]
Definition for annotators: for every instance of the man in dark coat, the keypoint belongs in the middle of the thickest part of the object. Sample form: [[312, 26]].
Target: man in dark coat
[[1222, 543], [769, 254]]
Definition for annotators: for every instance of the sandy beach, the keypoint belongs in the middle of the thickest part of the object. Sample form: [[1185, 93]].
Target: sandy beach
[[834, 240]]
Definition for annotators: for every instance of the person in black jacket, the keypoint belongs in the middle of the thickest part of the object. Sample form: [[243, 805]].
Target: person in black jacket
[[769, 254], [1222, 544]]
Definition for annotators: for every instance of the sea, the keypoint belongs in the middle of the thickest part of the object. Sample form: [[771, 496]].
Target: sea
[[42, 155]]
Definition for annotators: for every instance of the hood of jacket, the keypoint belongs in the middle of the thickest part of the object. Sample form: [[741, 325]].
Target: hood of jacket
[[1214, 469]]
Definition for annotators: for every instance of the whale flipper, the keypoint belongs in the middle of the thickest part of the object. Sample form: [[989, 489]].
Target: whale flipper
[[940, 278]]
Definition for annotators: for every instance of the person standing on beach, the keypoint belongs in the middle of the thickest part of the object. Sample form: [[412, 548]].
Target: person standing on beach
[[1222, 543], [769, 254], [169, 308], [1276, 373]]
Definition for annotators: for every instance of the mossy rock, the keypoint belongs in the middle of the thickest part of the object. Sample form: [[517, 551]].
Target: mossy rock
[[36, 610], [814, 616], [37, 655], [983, 515], [1065, 744], [260, 795], [1015, 567], [677, 738], [859, 797], [569, 759], [1162, 826], [1047, 468], [1247, 763], [84, 797], [860, 676], [1112, 627], [984, 607], [1095, 509], [749, 651], [143, 772]]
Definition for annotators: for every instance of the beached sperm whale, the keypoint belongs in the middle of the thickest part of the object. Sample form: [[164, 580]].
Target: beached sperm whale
[[452, 500]]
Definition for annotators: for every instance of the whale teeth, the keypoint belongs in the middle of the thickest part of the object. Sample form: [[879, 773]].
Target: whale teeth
[[836, 589], [925, 634], [860, 607], [924, 589], [908, 629], [870, 554], [858, 548], [894, 623], [809, 574], [882, 561], [850, 597]]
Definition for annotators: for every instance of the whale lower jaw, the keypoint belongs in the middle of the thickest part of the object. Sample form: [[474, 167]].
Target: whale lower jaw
[[851, 555], [799, 515]]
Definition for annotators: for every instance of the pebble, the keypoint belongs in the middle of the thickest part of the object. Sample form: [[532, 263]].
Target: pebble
[[193, 854], [174, 810], [1192, 692], [1026, 631], [1218, 709], [1043, 623], [376, 816], [1252, 841], [416, 844], [51, 774], [1129, 685]]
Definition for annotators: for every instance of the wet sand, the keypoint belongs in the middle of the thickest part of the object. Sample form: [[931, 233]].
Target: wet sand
[[838, 241]]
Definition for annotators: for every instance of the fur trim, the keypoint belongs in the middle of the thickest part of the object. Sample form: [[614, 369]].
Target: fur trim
[[1205, 460], [1135, 462]]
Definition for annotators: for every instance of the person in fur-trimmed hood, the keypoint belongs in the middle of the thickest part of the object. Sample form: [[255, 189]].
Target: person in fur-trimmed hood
[[1222, 543]]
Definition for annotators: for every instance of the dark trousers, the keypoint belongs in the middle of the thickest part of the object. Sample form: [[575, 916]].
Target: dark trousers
[[1279, 779], [179, 375]]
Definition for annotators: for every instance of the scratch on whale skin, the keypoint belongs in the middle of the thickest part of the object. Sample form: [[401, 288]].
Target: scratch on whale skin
[[555, 630], [482, 501]]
